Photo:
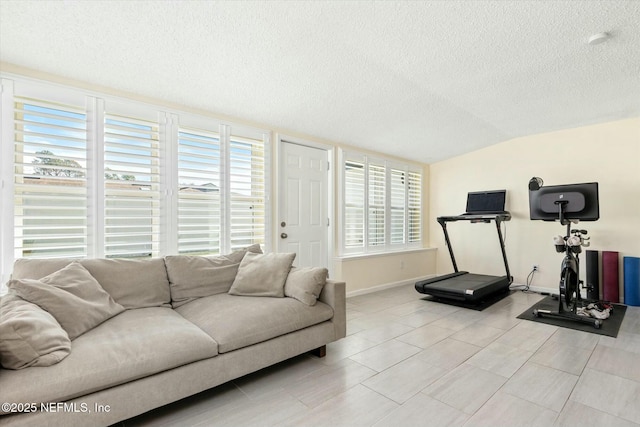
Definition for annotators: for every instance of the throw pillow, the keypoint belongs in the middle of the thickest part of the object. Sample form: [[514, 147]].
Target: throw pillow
[[305, 283], [72, 296], [192, 277], [29, 336], [262, 275]]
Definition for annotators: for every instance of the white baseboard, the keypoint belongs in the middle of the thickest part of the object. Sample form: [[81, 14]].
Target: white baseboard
[[387, 286], [543, 290], [537, 289]]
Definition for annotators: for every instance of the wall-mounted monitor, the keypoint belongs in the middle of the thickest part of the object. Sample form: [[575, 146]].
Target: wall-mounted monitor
[[578, 202]]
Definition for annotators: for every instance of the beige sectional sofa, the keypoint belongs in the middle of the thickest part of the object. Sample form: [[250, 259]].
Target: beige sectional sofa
[[181, 329]]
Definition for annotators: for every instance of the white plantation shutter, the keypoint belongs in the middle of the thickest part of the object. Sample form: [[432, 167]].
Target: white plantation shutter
[[382, 205], [354, 205], [377, 204], [132, 196], [50, 184], [414, 205], [398, 198], [247, 192], [199, 204]]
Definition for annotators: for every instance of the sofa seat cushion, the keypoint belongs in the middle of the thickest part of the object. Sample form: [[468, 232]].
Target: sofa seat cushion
[[134, 344], [240, 321]]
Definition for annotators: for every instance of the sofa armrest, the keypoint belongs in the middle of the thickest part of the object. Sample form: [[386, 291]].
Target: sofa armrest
[[334, 294]]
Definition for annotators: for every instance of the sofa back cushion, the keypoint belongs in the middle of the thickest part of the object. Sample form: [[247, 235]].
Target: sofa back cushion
[[193, 277], [71, 295], [134, 283], [131, 283], [34, 268]]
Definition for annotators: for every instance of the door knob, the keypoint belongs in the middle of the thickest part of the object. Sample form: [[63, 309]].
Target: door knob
[[284, 235]]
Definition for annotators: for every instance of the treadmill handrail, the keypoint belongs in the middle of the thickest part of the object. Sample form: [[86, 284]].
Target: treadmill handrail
[[498, 218], [486, 218]]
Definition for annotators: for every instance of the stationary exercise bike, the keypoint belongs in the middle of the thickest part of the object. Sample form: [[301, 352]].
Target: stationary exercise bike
[[571, 203], [570, 299]]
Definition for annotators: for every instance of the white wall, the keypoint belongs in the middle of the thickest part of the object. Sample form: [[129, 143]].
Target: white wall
[[608, 153]]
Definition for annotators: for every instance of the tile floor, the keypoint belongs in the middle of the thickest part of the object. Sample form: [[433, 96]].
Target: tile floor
[[410, 362]]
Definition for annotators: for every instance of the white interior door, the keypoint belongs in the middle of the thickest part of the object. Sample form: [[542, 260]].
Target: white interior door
[[304, 216]]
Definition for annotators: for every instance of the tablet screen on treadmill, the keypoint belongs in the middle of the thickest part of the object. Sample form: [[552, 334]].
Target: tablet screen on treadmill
[[486, 201]]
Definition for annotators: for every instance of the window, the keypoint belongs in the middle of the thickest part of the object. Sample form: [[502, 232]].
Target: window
[[414, 206], [86, 176], [398, 206], [377, 204], [382, 205], [247, 185], [353, 218], [132, 193], [199, 206], [50, 182], [221, 185]]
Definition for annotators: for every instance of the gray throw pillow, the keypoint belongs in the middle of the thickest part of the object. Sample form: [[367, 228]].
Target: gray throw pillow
[[29, 336], [262, 275], [305, 283], [71, 295]]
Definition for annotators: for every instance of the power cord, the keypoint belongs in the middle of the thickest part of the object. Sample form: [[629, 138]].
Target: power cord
[[528, 282]]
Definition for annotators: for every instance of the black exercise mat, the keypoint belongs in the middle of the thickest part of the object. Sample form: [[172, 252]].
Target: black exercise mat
[[610, 326], [480, 305]]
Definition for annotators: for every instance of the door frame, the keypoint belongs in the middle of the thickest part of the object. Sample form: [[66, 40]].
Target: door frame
[[279, 190]]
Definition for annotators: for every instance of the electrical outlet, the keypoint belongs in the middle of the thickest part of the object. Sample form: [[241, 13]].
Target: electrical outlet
[[535, 267]]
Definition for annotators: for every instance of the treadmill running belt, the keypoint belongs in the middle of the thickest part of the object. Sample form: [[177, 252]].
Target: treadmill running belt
[[463, 287]]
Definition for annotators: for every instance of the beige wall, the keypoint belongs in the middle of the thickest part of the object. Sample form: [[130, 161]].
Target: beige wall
[[362, 273], [608, 153]]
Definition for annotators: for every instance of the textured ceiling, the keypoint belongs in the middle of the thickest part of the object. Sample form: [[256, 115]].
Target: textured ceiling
[[421, 80]]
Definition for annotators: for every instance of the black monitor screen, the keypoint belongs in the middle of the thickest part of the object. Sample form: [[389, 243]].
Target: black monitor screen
[[579, 202], [486, 201]]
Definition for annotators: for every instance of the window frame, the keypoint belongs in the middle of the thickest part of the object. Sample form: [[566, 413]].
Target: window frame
[[345, 250]]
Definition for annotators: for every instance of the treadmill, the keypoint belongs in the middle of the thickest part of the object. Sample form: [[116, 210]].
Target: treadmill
[[463, 286]]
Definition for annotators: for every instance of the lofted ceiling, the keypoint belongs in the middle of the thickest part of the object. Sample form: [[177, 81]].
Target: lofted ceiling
[[422, 80]]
